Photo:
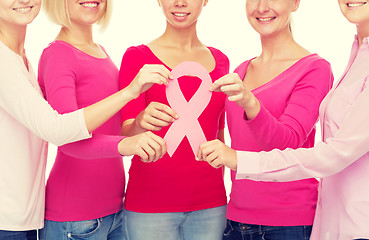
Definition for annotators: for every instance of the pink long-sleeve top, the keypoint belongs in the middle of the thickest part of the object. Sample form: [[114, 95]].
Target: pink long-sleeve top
[[341, 160], [289, 111], [87, 179]]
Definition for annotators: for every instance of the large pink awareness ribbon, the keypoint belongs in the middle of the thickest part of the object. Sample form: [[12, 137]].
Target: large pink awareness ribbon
[[187, 124]]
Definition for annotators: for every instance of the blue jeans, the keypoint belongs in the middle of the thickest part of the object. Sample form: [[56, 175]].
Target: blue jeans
[[242, 231], [18, 235], [110, 227], [205, 224]]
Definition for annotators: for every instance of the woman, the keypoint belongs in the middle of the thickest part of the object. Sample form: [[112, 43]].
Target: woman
[[274, 103], [85, 189], [175, 197], [26, 119], [341, 160]]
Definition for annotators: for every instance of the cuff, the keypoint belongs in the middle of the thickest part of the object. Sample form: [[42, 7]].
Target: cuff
[[247, 165]]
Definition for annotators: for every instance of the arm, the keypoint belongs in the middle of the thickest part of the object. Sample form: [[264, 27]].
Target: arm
[[22, 101], [299, 116], [349, 144], [137, 117]]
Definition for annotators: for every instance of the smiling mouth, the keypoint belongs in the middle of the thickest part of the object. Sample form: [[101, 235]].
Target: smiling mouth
[[265, 19], [23, 9], [180, 14], [355, 4], [89, 4]]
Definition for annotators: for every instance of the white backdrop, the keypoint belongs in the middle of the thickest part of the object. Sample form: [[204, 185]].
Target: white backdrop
[[318, 26]]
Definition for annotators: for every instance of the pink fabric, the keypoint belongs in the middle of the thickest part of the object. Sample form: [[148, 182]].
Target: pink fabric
[[341, 160], [178, 183], [77, 188], [289, 110]]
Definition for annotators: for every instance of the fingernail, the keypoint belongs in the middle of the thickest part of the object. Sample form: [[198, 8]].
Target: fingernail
[[171, 77]]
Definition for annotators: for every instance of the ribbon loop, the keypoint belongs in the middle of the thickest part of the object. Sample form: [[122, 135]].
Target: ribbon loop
[[187, 124]]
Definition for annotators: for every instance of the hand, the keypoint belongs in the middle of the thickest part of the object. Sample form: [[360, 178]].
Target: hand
[[148, 146], [236, 90], [155, 117], [217, 154], [148, 75]]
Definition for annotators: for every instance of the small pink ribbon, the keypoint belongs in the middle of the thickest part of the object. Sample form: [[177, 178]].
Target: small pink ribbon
[[188, 112]]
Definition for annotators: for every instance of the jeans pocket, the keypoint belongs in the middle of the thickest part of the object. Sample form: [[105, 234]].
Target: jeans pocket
[[228, 230], [84, 229]]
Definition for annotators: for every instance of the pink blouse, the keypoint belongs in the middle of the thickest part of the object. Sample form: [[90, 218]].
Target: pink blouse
[[341, 160]]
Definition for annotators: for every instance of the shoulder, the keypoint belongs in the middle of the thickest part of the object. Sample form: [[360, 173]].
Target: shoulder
[[220, 58], [58, 51], [137, 51], [316, 62]]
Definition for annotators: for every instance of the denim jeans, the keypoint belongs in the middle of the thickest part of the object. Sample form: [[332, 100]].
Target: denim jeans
[[241, 231], [205, 224], [18, 235], [110, 227]]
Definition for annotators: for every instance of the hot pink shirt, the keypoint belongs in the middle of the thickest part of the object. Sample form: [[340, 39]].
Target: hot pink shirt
[[87, 179], [289, 110], [341, 160], [178, 183]]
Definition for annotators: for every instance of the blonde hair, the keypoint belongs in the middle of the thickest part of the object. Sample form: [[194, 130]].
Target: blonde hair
[[57, 10]]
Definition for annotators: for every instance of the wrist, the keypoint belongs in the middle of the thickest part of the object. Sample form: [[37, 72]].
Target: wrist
[[252, 108]]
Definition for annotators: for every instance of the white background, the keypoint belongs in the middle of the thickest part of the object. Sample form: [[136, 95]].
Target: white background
[[318, 26]]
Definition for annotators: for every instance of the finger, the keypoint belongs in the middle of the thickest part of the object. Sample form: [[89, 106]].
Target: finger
[[161, 142], [235, 87], [162, 70], [142, 154], [157, 78], [217, 163], [149, 151], [156, 148], [166, 109], [225, 80], [235, 98]]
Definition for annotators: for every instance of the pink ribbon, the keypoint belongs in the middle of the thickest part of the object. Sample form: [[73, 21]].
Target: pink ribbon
[[188, 112]]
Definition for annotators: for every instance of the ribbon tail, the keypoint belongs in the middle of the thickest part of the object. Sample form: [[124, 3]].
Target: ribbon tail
[[174, 137], [196, 137]]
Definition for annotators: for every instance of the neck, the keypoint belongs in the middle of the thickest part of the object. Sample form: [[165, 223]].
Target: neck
[[13, 36], [185, 38], [77, 34], [362, 32], [277, 46]]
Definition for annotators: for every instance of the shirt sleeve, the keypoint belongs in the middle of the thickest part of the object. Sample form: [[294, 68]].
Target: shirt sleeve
[[22, 101], [300, 114], [59, 73], [131, 64], [349, 144]]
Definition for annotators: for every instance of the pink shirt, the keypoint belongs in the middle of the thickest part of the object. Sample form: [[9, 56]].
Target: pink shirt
[[87, 179], [178, 183], [341, 160], [289, 110]]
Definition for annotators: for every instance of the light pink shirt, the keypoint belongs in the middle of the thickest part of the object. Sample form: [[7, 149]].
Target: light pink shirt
[[25, 120], [341, 160]]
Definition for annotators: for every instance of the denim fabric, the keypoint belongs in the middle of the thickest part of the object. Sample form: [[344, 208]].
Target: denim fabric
[[18, 235], [205, 224], [110, 227], [241, 231]]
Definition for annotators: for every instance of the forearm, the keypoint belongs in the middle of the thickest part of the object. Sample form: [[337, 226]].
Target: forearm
[[131, 128], [98, 113]]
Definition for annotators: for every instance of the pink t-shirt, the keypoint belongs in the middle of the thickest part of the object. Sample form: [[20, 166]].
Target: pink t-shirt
[[87, 179], [178, 183], [289, 111]]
